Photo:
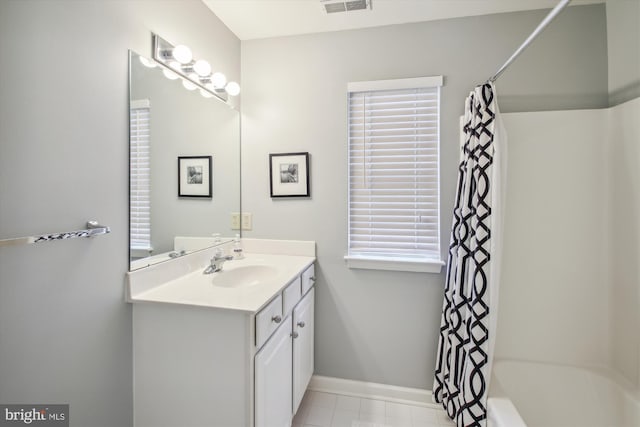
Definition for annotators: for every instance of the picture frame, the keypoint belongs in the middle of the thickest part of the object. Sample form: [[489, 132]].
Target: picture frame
[[289, 174], [195, 176]]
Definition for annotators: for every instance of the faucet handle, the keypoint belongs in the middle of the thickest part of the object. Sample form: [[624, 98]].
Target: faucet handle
[[219, 255]]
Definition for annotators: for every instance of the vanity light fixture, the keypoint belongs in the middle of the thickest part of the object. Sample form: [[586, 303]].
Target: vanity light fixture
[[188, 85], [147, 62], [170, 74], [218, 80], [202, 68], [178, 60], [232, 88], [182, 54]]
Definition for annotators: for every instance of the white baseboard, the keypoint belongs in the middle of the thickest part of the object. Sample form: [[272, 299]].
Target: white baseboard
[[411, 396]]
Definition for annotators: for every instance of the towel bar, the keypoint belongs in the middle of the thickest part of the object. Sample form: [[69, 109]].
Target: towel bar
[[93, 229]]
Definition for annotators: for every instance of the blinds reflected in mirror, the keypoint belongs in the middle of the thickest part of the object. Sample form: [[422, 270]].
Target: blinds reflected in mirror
[[140, 175]]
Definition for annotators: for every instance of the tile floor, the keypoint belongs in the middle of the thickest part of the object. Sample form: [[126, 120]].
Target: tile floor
[[319, 409]]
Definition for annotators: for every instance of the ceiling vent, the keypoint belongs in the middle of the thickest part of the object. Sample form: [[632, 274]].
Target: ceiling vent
[[334, 6]]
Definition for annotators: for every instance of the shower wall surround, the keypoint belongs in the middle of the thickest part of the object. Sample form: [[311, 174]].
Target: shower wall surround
[[571, 285], [624, 210], [555, 277]]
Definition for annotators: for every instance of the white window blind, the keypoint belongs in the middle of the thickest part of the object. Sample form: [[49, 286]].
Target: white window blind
[[140, 175], [394, 211]]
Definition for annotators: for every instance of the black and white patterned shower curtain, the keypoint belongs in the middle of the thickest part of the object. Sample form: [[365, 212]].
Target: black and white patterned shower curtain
[[467, 329]]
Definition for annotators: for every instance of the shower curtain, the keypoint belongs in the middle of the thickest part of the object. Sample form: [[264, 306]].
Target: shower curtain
[[468, 325]]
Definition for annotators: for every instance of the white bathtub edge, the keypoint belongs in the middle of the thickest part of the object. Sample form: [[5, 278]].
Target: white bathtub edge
[[502, 413]]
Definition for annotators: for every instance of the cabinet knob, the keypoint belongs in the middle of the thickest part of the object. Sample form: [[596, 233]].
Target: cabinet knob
[[312, 278], [294, 334], [277, 318], [301, 324]]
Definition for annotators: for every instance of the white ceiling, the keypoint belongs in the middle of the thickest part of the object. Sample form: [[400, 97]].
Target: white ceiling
[[254, 19]]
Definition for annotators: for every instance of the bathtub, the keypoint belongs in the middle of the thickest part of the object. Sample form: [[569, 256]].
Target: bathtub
[[545, 395]]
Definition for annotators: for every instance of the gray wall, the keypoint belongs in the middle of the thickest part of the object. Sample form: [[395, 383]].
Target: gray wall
[[65, 330], [372, 325]]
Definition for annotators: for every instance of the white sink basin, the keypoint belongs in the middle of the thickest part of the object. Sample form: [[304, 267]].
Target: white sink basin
[[243, 285], [243, 276]]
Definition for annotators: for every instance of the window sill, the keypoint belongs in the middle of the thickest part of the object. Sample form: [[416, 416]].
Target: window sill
[[418, 265]]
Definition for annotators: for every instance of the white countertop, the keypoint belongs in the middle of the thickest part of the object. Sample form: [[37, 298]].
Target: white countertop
[[198, 289]]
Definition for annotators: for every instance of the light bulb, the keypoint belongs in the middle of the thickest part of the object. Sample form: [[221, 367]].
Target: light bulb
[[147, 62], [188, 85], [175, 65], [182, 54], [232, 88], [202, 68], [170, 74], [218, 80]]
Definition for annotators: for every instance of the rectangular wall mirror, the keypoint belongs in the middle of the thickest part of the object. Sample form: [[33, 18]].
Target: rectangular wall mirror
[[167, 211]]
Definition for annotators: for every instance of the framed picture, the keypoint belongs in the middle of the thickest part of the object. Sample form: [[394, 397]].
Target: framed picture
[[289, 174], [195, 177]]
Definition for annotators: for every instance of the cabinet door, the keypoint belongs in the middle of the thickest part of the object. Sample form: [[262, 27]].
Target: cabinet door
[[273, 379], [303, 328]]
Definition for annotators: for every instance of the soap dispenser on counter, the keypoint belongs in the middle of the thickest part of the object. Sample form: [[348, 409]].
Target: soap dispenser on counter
[[237, 248]]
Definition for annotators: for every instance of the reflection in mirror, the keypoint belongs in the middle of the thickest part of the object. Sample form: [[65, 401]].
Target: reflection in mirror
[[169, 121]]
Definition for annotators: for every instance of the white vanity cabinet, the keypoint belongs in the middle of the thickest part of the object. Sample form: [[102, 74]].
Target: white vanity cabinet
[[199, 366], [283, 367]]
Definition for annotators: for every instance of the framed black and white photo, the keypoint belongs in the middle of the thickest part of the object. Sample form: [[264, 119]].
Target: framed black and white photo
[[289, 174], [195, 177]]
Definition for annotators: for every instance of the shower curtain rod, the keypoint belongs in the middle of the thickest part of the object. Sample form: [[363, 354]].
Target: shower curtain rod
[[554, 12]]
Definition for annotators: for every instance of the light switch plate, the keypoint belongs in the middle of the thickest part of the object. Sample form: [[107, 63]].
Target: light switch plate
[[235, 220], [247, 221]]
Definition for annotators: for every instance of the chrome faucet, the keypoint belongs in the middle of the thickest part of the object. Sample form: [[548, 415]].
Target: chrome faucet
[[216, 263]]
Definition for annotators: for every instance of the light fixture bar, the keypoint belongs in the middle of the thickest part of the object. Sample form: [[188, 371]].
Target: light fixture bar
[[179, 60]]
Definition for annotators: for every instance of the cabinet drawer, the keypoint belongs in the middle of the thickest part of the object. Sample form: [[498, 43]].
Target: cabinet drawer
[[268, 320], [291, 296], [308, 279]]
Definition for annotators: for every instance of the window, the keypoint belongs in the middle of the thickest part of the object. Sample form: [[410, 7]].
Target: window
[[140, 177], [394, 206]]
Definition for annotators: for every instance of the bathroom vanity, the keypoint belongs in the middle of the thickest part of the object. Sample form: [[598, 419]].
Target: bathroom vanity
[[233, 348]]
